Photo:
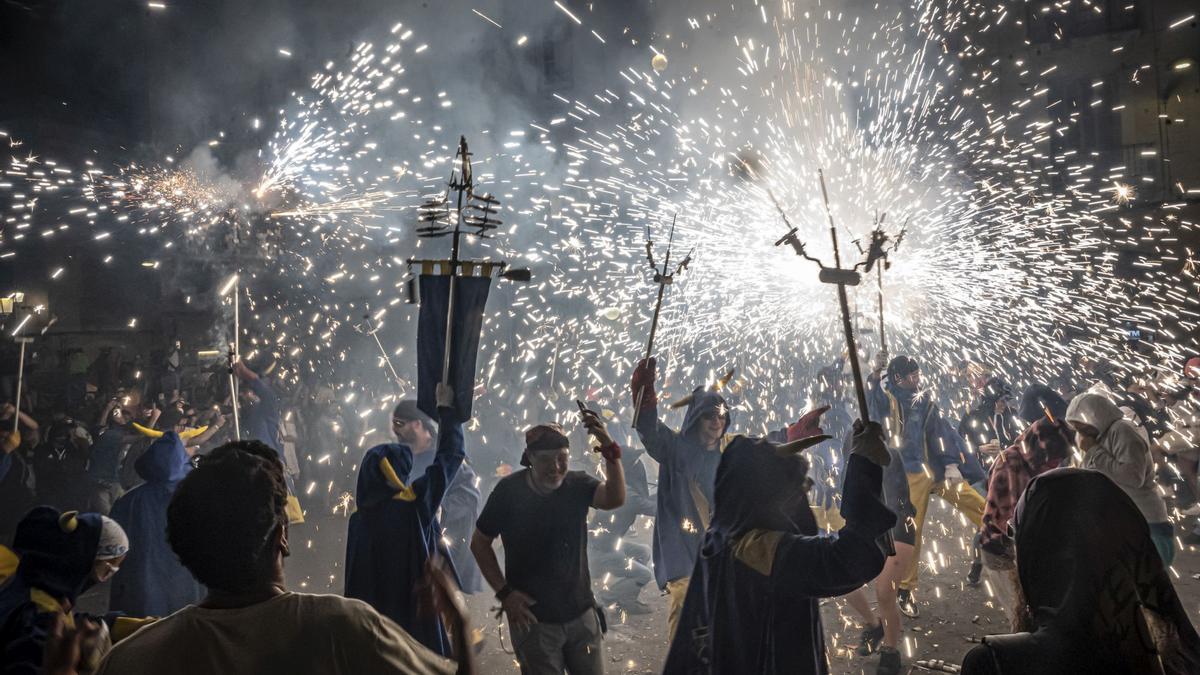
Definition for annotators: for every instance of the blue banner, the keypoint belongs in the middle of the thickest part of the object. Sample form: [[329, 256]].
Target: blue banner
[[470, 297]]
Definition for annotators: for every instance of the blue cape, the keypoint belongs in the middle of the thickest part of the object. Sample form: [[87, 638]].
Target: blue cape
[[152, 581], [395, 531]]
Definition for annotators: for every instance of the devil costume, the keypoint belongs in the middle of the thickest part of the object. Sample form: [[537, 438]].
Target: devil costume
[[752, 605], [395, 530], [1099, 599], [57, 552], [152, 581]]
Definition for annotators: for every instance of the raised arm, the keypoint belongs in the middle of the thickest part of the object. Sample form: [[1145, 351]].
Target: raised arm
[[659, 439], [431, 488], [832, 565], [611, 493]]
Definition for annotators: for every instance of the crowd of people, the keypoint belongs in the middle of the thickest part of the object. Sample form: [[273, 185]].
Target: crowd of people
[[1078, 494]]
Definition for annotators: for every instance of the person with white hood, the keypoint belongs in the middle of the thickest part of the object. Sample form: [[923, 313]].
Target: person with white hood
[[1113, 446]]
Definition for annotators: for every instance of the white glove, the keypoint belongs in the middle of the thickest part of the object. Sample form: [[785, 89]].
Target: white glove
[[445, 395]]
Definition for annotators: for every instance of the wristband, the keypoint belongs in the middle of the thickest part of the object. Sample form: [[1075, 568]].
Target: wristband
[[611, 452], [504, 592]]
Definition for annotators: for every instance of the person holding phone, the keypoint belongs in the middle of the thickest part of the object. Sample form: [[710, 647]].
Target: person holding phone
[[540, 514]]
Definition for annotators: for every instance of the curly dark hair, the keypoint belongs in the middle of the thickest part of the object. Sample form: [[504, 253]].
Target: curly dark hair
[[223, 516]]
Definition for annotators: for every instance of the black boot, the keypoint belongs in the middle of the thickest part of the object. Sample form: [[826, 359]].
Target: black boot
[[871, 637]]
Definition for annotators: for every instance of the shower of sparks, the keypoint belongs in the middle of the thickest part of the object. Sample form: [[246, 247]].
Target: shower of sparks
[[1011, 259]]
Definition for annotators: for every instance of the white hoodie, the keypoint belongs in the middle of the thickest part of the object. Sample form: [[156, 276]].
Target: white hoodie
[[1120, 453]]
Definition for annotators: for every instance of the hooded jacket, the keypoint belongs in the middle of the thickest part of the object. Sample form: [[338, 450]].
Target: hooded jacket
[[395, 531], [1121, 453], [686, 474], [914, 425], [751, 605], [152, 581], [1096, 590], [56, 563]]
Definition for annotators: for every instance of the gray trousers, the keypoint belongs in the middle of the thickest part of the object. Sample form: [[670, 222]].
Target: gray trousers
[[576, 646]]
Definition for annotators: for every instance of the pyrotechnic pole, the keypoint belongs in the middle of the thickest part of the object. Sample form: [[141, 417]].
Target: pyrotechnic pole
[[435, 219], [373, 331], [662, 278], [851, 345], [841, 277], [20, 380]]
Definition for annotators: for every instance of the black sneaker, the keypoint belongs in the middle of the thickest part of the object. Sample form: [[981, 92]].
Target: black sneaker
[[908, 606], [889, 662], [870, 639], [974, 574]]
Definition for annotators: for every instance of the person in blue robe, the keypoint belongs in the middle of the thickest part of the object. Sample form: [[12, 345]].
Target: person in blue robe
[[752, 604], [152, 581], [61, 555], [395, 530]]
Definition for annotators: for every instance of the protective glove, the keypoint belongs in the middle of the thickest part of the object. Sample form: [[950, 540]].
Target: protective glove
[[867, 441], [642, 384], [809, 424]]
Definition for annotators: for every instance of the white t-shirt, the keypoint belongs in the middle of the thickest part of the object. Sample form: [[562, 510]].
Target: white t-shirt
[[291, 634]]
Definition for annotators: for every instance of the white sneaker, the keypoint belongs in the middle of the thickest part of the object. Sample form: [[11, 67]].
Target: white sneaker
[[1193, 510]]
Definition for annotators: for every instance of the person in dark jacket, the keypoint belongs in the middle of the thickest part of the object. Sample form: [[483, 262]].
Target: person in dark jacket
[[395, 532], [1096, 598], [61, 555], [990, 424], [932, 453], [752, 605], [152, 581], [460, 506]]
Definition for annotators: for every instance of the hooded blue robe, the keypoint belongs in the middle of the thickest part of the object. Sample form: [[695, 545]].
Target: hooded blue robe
[[395, 531], [152, 581], [686, 471], [55, 566], [751, 606]]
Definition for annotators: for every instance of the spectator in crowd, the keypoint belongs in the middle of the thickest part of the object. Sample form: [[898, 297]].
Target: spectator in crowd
[[1093, 599], [540, 515], [228, 523], [61, 555], [1113, 447]]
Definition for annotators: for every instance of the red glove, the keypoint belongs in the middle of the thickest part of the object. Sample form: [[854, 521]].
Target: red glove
[[642, 384], [808, 425]]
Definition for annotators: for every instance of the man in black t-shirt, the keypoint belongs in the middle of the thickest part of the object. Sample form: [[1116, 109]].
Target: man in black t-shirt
[[540, 515]]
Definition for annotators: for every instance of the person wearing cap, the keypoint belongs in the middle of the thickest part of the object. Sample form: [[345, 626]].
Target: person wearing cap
[[61, 556], [540, 515], [395, 533], [462, 502], [932, 453]]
